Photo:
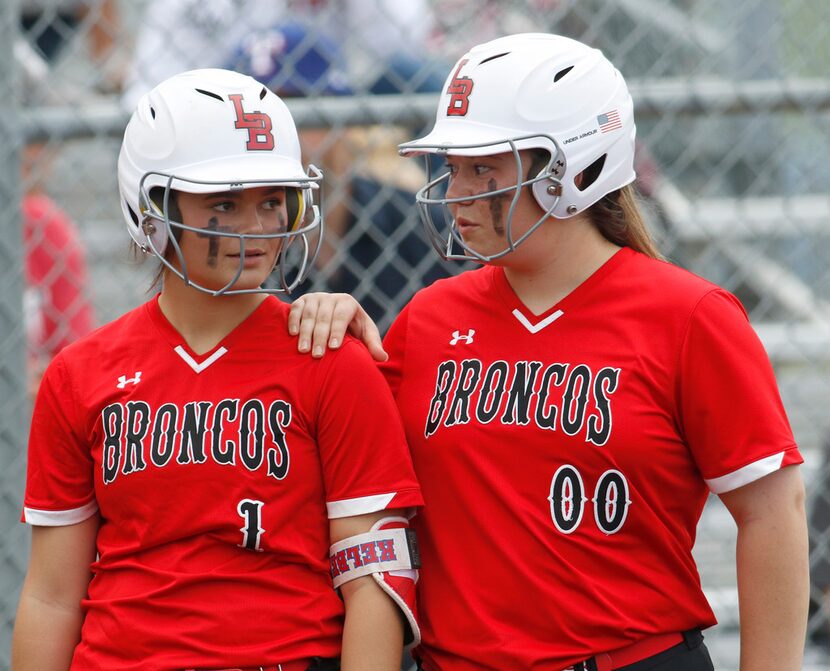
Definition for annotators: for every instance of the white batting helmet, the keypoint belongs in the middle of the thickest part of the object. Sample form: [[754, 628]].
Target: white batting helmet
[[206, 131], [532, 91]]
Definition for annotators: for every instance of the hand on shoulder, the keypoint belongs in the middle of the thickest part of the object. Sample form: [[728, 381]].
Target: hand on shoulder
[[321, 320]]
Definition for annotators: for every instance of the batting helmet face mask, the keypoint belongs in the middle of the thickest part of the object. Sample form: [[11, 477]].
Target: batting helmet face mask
[[530, 91], [211, 131]]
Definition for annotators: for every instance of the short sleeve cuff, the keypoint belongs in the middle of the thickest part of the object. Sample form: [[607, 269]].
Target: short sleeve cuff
[[363, 505], [59, 518], [754, 471]]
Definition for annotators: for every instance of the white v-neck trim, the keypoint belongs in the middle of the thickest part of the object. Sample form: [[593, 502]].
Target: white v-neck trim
[[538, 326], [190, 361]]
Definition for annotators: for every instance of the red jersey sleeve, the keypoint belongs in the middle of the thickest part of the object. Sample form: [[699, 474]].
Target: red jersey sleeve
[[395, 345], [730, 410], [365, 459], [59, 481]]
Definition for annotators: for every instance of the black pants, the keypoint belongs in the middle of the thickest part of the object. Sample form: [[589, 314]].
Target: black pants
[[675, 659], [690, 655], [324, 664], [696, 659]]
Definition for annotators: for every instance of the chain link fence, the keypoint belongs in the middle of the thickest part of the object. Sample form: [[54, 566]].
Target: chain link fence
[[733, 110]]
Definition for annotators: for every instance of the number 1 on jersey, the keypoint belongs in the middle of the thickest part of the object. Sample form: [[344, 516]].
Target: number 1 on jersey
[[251, 512]]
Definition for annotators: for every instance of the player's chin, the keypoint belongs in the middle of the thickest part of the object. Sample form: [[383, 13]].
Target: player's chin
[[489, 251], [231, 278], [475, 243], [251, 278]]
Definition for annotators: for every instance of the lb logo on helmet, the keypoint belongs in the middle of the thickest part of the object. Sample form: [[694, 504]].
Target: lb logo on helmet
[[459, 89], [258, 125]]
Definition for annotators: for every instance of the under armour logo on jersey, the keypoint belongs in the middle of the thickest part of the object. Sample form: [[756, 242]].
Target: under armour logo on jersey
[[123, 380], [457, 337]]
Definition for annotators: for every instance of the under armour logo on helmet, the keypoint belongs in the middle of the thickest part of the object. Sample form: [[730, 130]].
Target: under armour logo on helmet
[[123, 380], [458, 337]]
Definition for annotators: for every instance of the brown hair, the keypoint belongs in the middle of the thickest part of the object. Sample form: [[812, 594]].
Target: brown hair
[[140, 257], [618, 216], [157, 196]]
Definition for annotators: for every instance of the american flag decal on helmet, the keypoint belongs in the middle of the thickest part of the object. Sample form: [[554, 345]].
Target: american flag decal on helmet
[[609, 121]]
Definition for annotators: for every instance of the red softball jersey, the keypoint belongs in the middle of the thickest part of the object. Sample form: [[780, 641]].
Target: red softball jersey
[[565, 457], [215, 477]]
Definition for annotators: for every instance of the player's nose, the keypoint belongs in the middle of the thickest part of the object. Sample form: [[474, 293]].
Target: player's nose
[[256, 220]]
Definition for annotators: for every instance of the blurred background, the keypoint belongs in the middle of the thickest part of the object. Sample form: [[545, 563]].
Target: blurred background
[[733, 114]]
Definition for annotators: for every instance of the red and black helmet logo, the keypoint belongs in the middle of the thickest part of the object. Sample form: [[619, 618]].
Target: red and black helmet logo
[[258, 125], [459, 89]]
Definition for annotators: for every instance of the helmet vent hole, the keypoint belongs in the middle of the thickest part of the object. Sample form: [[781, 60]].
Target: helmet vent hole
[[562, 73], [492, 58], [263, 93], [210, 94], [153, 112], [591, 173]]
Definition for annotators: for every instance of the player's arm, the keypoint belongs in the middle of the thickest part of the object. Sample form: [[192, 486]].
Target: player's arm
[[772, 560], [321, 320], [373, 633], [49, 615]]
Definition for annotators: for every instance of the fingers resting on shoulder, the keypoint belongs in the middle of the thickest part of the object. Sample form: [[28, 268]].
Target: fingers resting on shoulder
[[321, 320]]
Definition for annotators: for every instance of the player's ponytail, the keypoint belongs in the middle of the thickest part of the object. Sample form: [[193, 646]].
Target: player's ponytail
[[619, 218]]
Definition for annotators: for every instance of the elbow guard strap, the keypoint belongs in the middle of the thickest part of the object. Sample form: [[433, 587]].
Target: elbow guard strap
[[389, 553]]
